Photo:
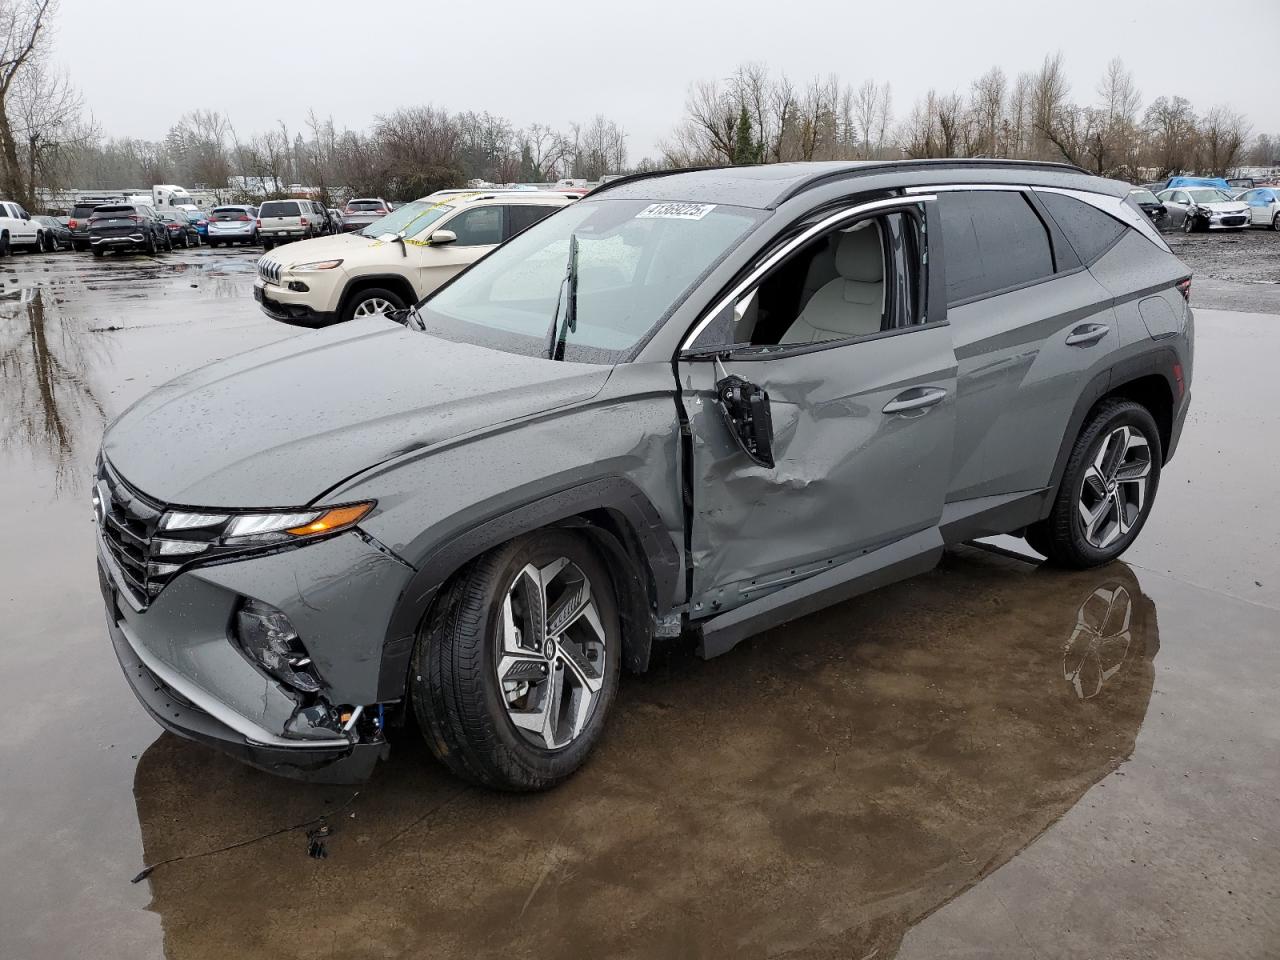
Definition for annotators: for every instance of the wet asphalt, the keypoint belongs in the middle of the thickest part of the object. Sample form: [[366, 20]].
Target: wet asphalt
[[995, 759]]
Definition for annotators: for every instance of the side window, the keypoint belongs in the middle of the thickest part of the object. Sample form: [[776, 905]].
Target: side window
[[477, 226], [854, 281], [1180, 197], [524, 215], [1090, 231], [992, 240]]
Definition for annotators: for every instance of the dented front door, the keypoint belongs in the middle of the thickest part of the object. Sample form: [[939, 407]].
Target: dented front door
[[862, 437]]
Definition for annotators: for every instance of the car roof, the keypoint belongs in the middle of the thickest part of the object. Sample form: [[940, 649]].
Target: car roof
[[768, 185]]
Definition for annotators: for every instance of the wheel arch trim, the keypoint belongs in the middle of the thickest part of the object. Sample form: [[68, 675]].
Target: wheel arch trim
[[1158, 361], [615, 514]]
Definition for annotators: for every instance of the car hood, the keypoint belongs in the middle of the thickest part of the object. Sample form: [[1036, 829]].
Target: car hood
[[280, 425], [337, 247], [1225, 206]]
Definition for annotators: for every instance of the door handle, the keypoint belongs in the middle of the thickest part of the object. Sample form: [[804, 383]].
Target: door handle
[[917, 398], [1087, 334]]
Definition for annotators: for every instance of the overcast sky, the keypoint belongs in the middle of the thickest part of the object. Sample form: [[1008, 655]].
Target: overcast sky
[[260, 61]]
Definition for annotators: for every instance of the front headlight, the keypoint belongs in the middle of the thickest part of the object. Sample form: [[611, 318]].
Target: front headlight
[[317, 265], [257, 529]]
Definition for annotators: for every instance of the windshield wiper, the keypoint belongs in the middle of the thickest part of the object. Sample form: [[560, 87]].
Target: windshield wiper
[[558, 333]]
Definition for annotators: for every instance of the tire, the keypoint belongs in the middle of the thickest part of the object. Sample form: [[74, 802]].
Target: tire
[[466, 713], [168, 241], [1188, 224], [151, 246], [98, 252], [371, 301], [4, 246], [1275, 222], [267, 245], [79, 247], [213, 244], [41, 244], [1095, 481]]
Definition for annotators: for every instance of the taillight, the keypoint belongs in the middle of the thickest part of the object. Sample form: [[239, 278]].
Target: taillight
[[71, 224], [257, 223], [136, 219], [243, 217], [304, 220], [1177, 376], [1184, 288]]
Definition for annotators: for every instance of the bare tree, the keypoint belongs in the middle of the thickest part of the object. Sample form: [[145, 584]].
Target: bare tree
[[1222, 137], [1171, 128], [871, 118], [24, 24], [46, 123]]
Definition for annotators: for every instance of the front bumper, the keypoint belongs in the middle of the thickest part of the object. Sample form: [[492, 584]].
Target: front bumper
[[185, 667], [287, 306], [1228, 221]]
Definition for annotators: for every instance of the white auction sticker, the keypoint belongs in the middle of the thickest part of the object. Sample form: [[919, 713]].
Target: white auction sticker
[[676, 211]]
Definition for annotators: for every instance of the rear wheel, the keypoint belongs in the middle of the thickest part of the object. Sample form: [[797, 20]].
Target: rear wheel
[[4, 245], [372, 302], [151, 244], [1107, 489], [267, 244], [98, 251], [517, 665], [1275, 222]]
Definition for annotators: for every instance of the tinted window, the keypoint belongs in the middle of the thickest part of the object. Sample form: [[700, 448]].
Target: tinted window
[[1088, 229], [368, 205], [526, 215], [279, 208], [229, 213], [118, 211], [992, 239], [477, 227], [83, 210]]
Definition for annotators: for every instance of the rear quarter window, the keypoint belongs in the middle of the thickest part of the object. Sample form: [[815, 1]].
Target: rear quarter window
[[992, 240], [1090, 231]]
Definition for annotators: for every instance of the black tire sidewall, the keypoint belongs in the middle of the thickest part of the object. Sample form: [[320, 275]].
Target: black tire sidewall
[[1128, 414], [496, 752]]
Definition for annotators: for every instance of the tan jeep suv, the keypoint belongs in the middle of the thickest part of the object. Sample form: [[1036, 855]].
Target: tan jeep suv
[[394, 261]]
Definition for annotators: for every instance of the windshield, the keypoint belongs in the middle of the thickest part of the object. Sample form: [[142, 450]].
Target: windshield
[[1142, 196], [1208, 195], [409, 220], [636, 262]]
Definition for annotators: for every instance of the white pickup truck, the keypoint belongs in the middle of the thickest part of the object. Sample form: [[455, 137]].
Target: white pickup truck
[[17, 229]]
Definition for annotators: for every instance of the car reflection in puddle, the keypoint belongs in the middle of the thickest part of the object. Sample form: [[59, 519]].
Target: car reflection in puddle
[[823, 787]]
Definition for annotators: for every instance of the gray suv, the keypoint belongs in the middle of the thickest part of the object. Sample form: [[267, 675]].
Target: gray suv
[[695, 403]]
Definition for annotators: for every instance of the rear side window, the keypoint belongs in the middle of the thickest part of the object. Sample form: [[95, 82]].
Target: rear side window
[[1090, 231], [279, 208], [992, 240], [525, 215]]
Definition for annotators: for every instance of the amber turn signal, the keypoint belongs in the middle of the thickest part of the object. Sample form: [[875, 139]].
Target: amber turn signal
[[333, 519]]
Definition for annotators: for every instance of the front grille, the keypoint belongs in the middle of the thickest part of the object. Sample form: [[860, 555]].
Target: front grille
[[269, 270], [128, 521]]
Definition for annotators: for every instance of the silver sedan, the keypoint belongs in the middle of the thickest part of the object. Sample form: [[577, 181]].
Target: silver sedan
[[1203, 208]]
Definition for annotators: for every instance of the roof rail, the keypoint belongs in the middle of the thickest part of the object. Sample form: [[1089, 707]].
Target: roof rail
[[633, 177], [877, 165]]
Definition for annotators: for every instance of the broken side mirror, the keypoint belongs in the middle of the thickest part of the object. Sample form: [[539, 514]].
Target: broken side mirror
[[746, 411]]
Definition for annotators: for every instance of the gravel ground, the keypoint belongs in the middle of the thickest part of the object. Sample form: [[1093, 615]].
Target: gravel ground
[[1232, 271]]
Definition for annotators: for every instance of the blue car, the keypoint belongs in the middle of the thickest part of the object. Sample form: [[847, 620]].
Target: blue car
[[200, 220]]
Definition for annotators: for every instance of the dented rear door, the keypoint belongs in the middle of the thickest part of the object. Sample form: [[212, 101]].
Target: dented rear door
[[848, 477]]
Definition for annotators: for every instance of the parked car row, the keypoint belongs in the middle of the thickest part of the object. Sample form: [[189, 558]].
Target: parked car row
[[1196, 204]]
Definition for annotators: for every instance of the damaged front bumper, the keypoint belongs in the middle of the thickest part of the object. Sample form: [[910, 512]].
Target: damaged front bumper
[[340, 760], [185, 665]]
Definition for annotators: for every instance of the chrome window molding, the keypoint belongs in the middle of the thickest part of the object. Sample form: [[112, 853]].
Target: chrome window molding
[[790, 247]]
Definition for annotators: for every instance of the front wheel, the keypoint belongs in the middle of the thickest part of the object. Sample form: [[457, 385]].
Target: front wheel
[[1275, 222], [1106, 491], [371, 303], [517, 665], [1188, 224]]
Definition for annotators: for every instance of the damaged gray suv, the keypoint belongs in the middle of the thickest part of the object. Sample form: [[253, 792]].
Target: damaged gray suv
[[697, 403]]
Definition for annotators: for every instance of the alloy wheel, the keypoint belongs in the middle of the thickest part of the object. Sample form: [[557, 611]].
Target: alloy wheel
[[373, 307], [551, 653], [1114, 492]]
